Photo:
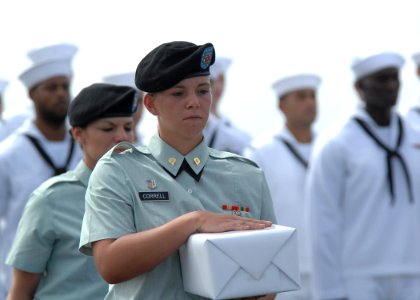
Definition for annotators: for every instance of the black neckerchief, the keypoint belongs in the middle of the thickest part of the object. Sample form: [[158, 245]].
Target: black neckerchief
[[295, 153], [213, 136], [391, 153], [47, 159]]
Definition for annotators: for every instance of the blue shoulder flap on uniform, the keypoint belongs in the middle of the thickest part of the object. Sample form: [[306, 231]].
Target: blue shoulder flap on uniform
[[228, 155]]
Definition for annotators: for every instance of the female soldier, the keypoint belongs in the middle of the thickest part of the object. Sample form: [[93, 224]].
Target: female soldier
[[143, 203], [44, 255]]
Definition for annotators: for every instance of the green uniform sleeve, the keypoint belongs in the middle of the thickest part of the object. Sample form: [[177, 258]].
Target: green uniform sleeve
[[35, 235], [108, 211]]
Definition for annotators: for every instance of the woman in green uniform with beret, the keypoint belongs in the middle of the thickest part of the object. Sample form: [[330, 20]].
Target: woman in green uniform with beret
[[45, 257], [143, 203]]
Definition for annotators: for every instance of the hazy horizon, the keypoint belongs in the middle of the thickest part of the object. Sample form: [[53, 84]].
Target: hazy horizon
[[265, 39]]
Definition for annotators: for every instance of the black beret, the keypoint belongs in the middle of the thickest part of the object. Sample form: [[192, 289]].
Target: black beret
[[101, 100], [172, 62]]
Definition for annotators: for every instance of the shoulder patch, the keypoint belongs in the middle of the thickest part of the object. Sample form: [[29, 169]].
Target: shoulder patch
[[126, 146], [121, 147], [228, 155]]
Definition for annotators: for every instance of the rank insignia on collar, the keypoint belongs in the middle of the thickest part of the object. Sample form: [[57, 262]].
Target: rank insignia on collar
[[172, 160], [197, 161], [151, 184]]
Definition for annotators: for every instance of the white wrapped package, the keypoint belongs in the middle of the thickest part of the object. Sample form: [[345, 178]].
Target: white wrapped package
[[241, 263]]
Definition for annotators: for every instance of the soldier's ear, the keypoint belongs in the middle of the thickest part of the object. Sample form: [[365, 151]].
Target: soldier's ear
[[77, 134], [149, 103]]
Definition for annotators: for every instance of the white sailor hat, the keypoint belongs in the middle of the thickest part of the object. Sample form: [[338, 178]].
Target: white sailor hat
[[219, 67], [48, 62], [416, 58], [126, 79], [374, 63], [45, 70], [296, 82], [3, 85], [53, 52]]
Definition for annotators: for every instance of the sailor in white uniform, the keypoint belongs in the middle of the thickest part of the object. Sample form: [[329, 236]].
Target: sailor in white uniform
[[284, 158], [40, 148], [364, 196], [15, 120], [220, 133], [413, 114]]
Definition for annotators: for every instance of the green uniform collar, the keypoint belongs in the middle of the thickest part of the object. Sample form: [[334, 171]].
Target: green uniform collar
[[171, 160], [82, 172]]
